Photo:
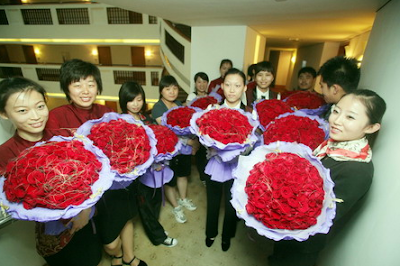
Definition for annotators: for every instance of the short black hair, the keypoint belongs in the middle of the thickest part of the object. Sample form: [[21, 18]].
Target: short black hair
[[167, 81], [226, 61], [234, 71], [202, 75], [10, 86], [128, 91], [309, 70], [342, 71], [75, 70], [265, 66]]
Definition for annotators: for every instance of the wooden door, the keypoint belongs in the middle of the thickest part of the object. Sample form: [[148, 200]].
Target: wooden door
[[137, 55], [4, 58], [29, 53], [104, 55]]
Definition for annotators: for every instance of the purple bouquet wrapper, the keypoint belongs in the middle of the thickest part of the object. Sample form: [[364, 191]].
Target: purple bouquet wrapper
[[229, 151], [240, 198], [221, 155], [156, 179], [40, 214], [124, 178]]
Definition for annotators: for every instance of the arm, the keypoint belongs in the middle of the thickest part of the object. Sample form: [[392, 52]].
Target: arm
[[80, 221], [352, 181]]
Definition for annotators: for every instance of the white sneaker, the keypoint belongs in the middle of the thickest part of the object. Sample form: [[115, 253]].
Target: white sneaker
[[187, 203], [170, 242], [179, 215]]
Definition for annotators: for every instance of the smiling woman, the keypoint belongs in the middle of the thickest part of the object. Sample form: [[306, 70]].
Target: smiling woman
[[348, 156]]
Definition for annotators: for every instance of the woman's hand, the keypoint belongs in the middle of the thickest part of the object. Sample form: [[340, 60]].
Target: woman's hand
[[80, 221], [195, 145]]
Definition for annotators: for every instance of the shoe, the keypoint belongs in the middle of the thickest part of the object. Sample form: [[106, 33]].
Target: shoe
[[170, 242], [115, 257], [141, 263], [209, 241], [225, 244], [187, 203], [179, 215]]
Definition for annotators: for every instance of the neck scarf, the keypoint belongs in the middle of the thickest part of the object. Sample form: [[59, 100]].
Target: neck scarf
[[354, 150]]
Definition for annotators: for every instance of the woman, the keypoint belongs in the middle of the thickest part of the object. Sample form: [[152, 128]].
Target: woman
[[200, 87], [23, 102], [132, 100], [81, 82], [234, 85], [354, 120], [181, 164]]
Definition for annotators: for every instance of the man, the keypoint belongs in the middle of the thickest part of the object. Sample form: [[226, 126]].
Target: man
[[339, 75], [306, 79]]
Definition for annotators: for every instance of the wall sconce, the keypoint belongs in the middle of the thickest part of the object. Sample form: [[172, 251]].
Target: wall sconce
[[148, 53], [37, 51], [95, 52], [293, 59]]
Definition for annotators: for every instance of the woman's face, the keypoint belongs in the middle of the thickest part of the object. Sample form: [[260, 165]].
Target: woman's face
[[83, 92], [264, 79], [349, 121], [224, 68], [28, 112], [234, 88], [135, 106], [201, 85], [170, 93]]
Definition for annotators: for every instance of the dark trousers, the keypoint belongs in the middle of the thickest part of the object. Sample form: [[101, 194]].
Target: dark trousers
[[201, 162], [294, 253], [215, 191], [149, 203]]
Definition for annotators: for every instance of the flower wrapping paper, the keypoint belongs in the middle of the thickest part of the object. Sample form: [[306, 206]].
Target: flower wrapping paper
[[223, 157], [240, 198], [185, 113], [160, 173], [123, 179], [155, 178], [39, 214]]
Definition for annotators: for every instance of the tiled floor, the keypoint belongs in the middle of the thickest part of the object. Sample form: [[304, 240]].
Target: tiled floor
[[247, 248]]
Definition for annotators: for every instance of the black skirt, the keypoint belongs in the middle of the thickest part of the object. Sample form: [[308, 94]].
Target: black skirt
[[114, 210]]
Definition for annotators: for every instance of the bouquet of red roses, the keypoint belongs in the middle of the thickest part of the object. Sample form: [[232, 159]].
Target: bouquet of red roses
[[297, 127], [129, 144], [268, 110], [309, 102], [204, 101], [284, 192], [55, 179], [228, 133], [168, 145], [178, 120]]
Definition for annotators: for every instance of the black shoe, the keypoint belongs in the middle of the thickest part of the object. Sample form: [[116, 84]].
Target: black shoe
[[141, 263], [209, 242], [226, 243]]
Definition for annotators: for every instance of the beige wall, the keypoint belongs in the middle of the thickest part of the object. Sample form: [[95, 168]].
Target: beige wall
[[371, 238]]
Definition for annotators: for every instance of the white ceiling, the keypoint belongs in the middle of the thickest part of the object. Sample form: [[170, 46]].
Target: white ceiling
[[309, 21]]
